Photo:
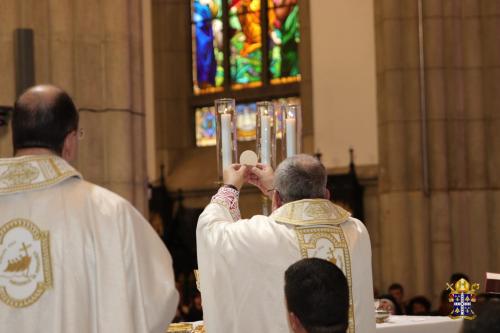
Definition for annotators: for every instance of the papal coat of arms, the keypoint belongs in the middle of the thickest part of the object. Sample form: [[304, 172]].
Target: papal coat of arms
[[462, 295], [25, 267]]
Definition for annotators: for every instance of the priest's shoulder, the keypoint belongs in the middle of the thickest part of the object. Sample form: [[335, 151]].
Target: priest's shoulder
[[102, 199], [357, 224]]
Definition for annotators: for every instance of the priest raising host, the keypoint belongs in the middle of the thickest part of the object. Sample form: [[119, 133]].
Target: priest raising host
[[242, 261]]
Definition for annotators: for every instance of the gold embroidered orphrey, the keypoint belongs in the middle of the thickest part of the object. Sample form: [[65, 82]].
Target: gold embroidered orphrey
[[25, 173], [328, 242], [25, 265]]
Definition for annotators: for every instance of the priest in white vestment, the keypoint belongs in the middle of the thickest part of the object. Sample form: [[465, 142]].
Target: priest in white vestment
[[74, 257], [242, 261]]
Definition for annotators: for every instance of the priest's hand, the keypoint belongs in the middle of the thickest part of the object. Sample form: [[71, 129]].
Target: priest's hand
[[262, 176], [235, 175]]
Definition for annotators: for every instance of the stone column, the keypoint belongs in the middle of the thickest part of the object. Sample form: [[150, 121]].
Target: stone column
[[93, 49], [454, 228]]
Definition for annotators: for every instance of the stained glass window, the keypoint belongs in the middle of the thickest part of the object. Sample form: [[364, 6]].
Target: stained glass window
[[284, 38], [245, 121], [242, 44], [245, 43], [239, 23], [205, 126], [207, 44]]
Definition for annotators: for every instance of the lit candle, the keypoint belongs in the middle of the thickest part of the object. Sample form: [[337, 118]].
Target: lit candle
[[265, 140], [291, 142], [226, 140]]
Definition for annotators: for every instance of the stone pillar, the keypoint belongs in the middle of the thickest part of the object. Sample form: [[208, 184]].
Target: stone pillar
[[93, 50], [454, 228]]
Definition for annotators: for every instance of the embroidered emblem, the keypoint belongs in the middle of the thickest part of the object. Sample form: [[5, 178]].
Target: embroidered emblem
[[25, 173], [19, 174], [25, 267], [311, 212], [318, 210], [328, 242], [462, 295]]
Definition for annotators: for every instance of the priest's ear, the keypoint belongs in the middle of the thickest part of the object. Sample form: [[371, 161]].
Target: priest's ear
[[70, 146], [295, 323], [276, 200], [327, 194]]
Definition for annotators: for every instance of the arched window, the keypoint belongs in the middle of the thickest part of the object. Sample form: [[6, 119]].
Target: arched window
[[245, 49]]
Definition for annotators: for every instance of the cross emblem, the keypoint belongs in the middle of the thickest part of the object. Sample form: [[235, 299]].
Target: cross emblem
[[331, 256], [25, 248]]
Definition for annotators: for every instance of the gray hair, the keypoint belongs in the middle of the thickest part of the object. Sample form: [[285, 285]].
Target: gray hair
[[300, 177]]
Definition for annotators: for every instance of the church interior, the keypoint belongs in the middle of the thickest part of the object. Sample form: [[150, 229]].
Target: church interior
[[399, 100]]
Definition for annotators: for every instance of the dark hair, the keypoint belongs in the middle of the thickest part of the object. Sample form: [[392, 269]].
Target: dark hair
[[317, 293], [418, 300], [487, 321], [396, 286], [457, 276], [43, 119]]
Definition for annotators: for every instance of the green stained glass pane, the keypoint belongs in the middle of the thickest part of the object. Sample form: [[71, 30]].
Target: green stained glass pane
[[245, 43], [284, 39]]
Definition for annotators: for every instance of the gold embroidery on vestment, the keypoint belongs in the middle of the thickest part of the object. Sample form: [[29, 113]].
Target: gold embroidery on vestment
[[19, 174], [33, 172], [25, 252], [311, 212], [312, 241]]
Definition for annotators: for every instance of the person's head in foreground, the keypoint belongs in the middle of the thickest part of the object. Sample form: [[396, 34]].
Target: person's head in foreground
[[45, 121], [317, 297], [487, 320]]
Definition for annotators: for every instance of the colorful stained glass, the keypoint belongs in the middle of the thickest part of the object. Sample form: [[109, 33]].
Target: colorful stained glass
[[205, 126], [284, 38], [207, 42], [245, 43], [245, 121], [246, 115]]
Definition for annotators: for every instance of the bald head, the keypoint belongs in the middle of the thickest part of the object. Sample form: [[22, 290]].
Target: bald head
[[43, 116], [300, 177]]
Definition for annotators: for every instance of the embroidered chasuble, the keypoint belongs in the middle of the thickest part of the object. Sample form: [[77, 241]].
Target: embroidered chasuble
[[75, 257], [242, 262]]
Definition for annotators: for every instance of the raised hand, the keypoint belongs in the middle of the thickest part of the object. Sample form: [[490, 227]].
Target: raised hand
[[236, 175], [262, 176]]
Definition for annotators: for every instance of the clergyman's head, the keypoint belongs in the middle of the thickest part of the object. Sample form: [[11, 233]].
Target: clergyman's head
[[317, 297], [45, 117], [300, 177]]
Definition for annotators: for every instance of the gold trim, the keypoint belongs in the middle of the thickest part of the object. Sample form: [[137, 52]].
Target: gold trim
[[44, 238], [44, 165], [180, 328], [311, 212], [327, 232]]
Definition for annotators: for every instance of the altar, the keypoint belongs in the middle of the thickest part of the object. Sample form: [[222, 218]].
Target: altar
[[395, 324], [417, 324]]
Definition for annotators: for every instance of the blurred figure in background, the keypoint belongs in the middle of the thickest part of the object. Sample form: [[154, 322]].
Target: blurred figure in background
[[397, 291], [419, 306]]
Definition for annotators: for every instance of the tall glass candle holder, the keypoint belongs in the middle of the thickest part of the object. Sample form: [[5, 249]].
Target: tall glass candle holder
[[227, 149], [292, 130], [266, 134]]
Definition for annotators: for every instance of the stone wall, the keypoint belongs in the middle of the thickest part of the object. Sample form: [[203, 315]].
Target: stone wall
[[93, 50], [424, 237]]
